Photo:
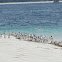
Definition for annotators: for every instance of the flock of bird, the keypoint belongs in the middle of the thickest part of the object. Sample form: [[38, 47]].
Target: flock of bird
[[34, 38]]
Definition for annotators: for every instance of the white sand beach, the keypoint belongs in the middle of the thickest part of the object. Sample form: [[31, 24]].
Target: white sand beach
[[27, 2], [14, 50]]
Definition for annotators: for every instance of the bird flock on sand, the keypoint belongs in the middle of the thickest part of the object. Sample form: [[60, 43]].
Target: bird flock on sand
[[33, 38]]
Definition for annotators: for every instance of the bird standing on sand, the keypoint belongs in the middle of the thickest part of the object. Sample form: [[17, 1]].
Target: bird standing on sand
[[9, 35], [4, 34], [51, 39]]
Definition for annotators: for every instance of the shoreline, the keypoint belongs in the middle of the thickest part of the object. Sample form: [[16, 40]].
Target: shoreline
[[32, 38], [28, 2]]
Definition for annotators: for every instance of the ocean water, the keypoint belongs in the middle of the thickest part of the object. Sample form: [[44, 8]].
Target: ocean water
[[38, 18]]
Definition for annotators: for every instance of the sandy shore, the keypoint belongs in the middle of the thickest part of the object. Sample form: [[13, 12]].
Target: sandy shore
[[14, 50], [27, 2]]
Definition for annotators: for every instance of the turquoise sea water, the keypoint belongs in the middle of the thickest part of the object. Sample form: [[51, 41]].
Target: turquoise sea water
[[38, 18]]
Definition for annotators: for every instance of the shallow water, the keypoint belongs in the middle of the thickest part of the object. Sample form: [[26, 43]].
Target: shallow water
[[38, 18]]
